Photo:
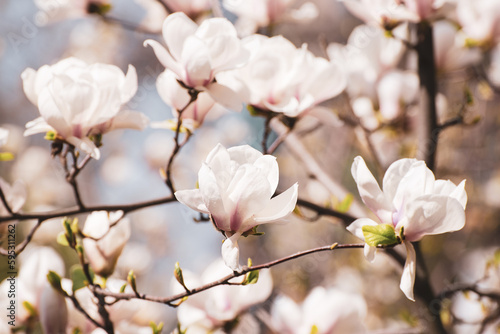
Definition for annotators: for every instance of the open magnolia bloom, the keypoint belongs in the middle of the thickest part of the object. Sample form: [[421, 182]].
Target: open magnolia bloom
[[210, 310], [412, 205], [235, 188], [78, 101], [324, 311], [105, 241], [196, 54], [282, 78], [480, 21]]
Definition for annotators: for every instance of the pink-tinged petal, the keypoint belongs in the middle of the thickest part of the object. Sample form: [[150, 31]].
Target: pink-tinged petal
[[394, 174], [433, 214], [278, 207], [171, 92], [227, 53], [408, 276], [53, 311], [165, 58], [370, 192], [225, 96], [38, 125], [231, 252], [448, 188], [369, 252], [244, 154], [193, 199], [176, 29], [247, 193], [86, 145], [356, 227], [128, 120], [212, 197], [129, 87], [219, 162]]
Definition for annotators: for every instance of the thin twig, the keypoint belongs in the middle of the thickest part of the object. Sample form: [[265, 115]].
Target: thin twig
[[4, 202]]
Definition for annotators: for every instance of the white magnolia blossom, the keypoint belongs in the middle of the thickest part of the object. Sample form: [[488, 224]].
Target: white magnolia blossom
[[197, 54], [390, 13], [324, 311], [208, 311], [56, 10], [256, 14], [105, 240], [450, 51], [77, 100], [411, 200], [176, 96], [480, 20], [281, 78], [235, 188]]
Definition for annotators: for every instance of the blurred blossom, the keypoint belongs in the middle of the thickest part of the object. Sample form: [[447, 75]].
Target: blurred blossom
[[235, 188], [192, 8], [136, 256], [54, 313], [106, 235], [394, 90], [51, 11], [79, 101], [210, 310], [368, 55], [155, 15], [4, 136], [256, 14], [32, 280], [450, 51], [494, 69], [324, 311], [197, 54], [176, 96], [117, 169], [413, 203], [480, 21], [282, 78], [390, 13]]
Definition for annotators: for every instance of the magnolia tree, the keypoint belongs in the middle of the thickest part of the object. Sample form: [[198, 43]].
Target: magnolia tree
[[332, 169]]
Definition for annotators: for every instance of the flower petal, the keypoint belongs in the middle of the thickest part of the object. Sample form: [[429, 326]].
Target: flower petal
[[176, 29], [408, 276], [128, 120], [231, 252], [433, 214], [129, 87], [279, 207], [193, 199], [165, 58], [86, 145], [38, 125], [448, 188], [370, 192], [225, 96], [212, 197], [356, 226]]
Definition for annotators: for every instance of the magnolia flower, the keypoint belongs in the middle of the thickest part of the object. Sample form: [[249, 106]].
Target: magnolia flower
[[324, 311], [57, 10], [390, 13], [413, 203], [78, 101], [256, 14], [450, 51], [480, 20], [281, 78], [54, 313], [198, 54], [235, 188], [106, 235], [210, 310], [173, 94]]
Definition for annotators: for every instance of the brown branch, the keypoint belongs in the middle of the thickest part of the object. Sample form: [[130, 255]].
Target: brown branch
[[322, 211], [4, 202], [226, 279], [168, 170]]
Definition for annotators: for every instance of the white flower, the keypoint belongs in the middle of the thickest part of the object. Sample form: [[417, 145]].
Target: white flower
[[411, 200], [327, 311], [105, 242], [281, 78], [211, 309], [77, 100], [197, 54], [192, 8], [173, 94], [235, 188], [53, 311], [480, 20], [256, 14]]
